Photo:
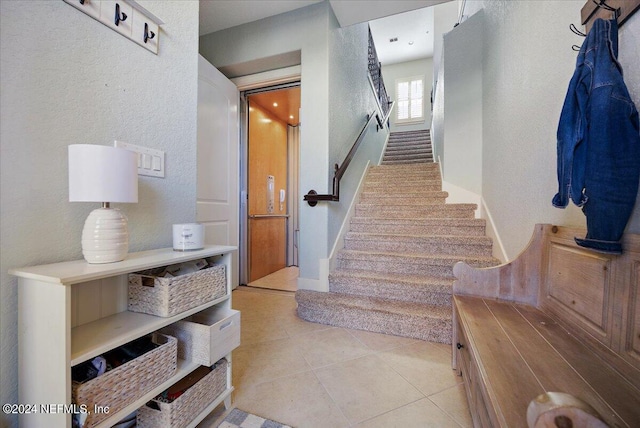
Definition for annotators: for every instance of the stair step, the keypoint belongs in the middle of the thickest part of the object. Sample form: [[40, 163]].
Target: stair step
[[398, 144], [410, 288], [413, 264], [424, 244], [419, 321], [407, 211], [439, 226], [404, 198], [406, 168], [382, 181], [407, 155], [398, 162]]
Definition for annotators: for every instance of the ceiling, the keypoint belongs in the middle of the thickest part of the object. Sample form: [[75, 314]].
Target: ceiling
[[417, 26], [283, 104], [408, 21]]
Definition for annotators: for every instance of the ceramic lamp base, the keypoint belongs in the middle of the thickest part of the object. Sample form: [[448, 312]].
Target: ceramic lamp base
[[105, 237]]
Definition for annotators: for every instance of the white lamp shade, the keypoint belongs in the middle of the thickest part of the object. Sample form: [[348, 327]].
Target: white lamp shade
[[102, 174]]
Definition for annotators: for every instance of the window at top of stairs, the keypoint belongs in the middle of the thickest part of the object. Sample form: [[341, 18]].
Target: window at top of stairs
[[410, 99]]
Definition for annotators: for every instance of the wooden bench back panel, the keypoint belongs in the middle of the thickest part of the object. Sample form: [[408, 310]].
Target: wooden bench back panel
[[596, 296]]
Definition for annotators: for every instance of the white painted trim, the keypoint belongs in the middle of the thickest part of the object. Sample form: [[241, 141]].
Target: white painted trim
[[384, 149], [344, 228], [268, 78], [492, 231], [458, 195], [321, 284]]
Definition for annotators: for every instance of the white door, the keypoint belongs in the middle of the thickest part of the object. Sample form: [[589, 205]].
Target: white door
[[217, 152]]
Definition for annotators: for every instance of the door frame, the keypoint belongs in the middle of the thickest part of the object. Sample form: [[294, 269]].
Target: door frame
[[247, 85]]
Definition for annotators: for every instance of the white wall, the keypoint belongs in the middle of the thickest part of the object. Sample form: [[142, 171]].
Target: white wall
[[67, 79], [419, 67], [445, 16], [332, 107], [304, 30], [463, 105], [527, 62]]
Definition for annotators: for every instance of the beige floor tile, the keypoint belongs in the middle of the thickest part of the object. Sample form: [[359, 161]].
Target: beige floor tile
[[257, 330], [366, 387], [298, 400], [380, 342], [263, 362], [419, 414], [426, 365], [324, 347], [295, 326], [453, 401], [283, 279]]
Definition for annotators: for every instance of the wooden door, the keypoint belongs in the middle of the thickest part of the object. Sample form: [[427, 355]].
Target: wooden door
[[267, 192], [217, 176]]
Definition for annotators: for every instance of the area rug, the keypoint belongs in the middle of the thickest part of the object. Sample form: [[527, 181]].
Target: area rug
[[240, 419]]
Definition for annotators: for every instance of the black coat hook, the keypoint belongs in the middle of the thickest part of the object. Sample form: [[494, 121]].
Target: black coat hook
[[602, 4], [575, 31], [148, 35], [119, 16]]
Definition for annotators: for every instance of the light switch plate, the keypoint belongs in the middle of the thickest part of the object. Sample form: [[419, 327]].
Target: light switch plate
[[150, 161]]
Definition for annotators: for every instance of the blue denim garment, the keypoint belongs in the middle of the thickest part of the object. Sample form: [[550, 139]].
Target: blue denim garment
[[599, 142]]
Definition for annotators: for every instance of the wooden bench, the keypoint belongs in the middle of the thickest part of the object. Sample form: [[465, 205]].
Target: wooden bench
[[558, 318]]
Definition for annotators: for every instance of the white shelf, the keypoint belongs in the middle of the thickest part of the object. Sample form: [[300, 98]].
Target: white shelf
[[92, 339], [49, 347], [78, 271]]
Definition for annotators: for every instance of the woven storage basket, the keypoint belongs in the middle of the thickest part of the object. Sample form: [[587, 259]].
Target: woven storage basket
[[166, 297], [123, 385], [186, 407]]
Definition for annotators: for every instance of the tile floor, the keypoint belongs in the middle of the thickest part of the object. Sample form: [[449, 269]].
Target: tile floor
[[284, 279], [310, 375]]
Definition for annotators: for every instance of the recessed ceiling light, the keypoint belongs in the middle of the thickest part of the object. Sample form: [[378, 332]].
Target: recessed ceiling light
[[275, 104], [411, 42]]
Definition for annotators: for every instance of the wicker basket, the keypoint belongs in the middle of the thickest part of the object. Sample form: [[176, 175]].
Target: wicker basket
[[166, 297], [121, 386], [186, 407]]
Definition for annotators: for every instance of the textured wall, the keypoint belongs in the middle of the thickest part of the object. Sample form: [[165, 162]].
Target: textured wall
[[352, 99], [463, 105], [527, 64], [304, 30], [420, 67], [67, 79]]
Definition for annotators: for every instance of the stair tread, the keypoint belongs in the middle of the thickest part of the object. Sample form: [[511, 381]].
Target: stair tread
[[442, 258], [420, 280], [376, 304], [452, 239]]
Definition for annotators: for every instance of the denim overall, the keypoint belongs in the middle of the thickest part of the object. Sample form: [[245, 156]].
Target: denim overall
[[599, 142]]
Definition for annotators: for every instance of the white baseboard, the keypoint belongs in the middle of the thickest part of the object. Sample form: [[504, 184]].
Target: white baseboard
[[321, 284], [458, 195], [492, 232], [344, 228]]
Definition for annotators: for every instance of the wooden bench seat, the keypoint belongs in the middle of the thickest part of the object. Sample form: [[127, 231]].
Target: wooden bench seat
[[534, 330]]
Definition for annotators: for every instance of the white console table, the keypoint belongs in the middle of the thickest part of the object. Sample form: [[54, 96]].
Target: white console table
[[74, 311]]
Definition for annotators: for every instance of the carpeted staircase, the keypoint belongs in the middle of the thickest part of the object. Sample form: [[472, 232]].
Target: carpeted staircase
[[395, 273]]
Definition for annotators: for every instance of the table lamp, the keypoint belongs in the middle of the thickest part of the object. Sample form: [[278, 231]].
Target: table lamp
[[103, 174]]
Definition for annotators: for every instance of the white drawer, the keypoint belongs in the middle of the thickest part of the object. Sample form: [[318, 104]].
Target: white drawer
[[207, 336]]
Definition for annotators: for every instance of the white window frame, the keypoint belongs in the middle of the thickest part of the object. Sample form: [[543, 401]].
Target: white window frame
[[409, 119]]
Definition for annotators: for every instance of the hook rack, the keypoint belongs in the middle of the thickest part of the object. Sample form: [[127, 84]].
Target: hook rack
[[148, 35], [622, 10], [120, 16]]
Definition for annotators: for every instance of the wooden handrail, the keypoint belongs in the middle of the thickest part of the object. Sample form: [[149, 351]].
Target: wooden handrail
[[313, 197]]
